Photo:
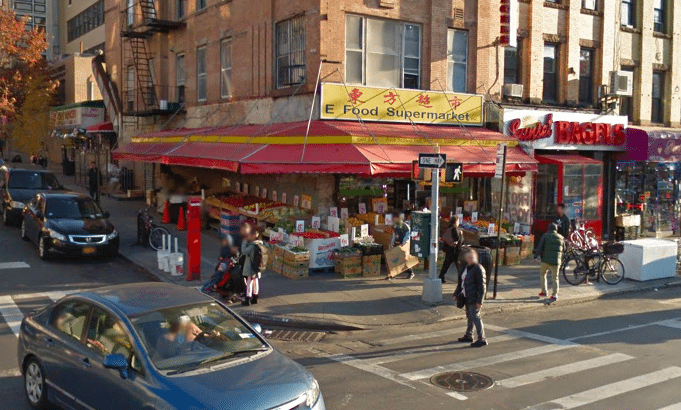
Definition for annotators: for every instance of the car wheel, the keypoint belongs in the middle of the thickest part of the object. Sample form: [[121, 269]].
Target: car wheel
[[24, 236], [42, 248], [34, 384]]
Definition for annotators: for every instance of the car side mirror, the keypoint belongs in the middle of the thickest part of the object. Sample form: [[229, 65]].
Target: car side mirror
[[107, 214], [118, 362]]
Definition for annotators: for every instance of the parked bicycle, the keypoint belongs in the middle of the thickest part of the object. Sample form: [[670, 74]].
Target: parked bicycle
[[600, 263], [582, 237], [148, 232]]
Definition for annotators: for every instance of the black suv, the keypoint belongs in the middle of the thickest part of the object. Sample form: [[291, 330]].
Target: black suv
[[20, 185]]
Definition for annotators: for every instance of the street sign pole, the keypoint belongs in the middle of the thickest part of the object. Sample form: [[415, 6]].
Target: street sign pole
[[432, 285], [501, 210]]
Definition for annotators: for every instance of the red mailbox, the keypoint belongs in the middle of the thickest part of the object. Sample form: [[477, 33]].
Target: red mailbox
[[194, 207]]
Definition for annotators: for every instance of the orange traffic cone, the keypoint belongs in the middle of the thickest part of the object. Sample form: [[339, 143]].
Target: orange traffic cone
[[181, 221], [166, 214]]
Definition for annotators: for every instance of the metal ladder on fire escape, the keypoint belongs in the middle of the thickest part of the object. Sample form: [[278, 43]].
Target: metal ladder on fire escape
[[145, 80]]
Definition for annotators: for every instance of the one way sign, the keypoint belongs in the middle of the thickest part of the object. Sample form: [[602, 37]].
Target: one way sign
[[432, 160]]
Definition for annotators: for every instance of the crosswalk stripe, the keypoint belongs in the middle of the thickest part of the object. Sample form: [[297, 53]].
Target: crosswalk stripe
[[610, 390], [486, 361], [14, 265], [422, 336], [563, 370], [421, 351], [676, 324], [11, 313], [676, 406], [10, 373], [528, 335]]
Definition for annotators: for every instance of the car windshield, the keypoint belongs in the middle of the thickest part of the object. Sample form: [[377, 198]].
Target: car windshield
[[187, 337], [72, 208], [33, 180]]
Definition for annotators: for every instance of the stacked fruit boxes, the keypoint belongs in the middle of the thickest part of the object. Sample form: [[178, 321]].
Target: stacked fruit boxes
[[296, 263], [348, 263], [371, 265], [278, 258]]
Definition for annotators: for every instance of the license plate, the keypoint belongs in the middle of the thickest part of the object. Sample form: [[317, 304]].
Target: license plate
[[89, 251]]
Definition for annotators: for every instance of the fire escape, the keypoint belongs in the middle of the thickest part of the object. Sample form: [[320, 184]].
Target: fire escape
[[142, 96]]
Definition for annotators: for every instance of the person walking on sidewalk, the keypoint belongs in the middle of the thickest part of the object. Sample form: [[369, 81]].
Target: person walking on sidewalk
[[94, 180], [550, 251], [254, 261], [562, 221], [401, 232], [453, 241], [471, 291]]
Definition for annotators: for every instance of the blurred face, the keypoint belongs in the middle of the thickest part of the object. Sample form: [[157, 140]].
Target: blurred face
[[471, 258], [560, 210], [245, 231], [397, 219]]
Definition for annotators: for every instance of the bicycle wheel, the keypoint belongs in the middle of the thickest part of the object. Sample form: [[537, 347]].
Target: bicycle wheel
[[574, 271], [612, 271], [156, 237]]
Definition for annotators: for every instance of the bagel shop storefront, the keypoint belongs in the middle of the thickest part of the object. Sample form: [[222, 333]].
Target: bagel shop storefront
[[577, 153]]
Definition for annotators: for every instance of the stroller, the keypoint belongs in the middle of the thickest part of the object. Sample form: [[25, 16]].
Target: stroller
[[230, 284]]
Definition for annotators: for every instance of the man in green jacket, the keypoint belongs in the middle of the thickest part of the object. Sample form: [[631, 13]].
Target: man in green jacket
[[550, 250]]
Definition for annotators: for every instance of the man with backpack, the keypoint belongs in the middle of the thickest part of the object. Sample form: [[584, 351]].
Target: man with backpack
[[453, 240], [253, 263]]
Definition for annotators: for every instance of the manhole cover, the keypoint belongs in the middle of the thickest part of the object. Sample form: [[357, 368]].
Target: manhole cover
[[462, 381]]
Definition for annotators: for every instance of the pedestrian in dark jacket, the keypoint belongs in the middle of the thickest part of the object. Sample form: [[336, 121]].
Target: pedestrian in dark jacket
[[472, 288], [550, 251], [94, 180], [562, 221], [401, 235], [452, 241]]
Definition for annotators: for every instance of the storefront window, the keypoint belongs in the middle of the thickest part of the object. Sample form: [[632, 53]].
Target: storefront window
[[592, 183], [573, 184], [547, 180]]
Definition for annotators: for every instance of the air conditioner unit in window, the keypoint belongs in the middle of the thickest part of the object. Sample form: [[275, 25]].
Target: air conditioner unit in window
[[622, 83], [589, 4], [513, 90]]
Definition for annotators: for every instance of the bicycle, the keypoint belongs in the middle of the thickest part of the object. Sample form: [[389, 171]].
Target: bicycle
[[582, 236], [148, 232], [599, 263]]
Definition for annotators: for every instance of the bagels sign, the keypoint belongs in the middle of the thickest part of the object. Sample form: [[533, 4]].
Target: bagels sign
[[564, 130]]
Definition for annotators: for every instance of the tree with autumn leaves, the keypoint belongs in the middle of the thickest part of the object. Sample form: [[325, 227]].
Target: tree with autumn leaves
[[26, 91]]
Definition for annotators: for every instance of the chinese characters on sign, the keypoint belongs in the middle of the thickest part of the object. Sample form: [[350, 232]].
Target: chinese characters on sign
[[397, 105]]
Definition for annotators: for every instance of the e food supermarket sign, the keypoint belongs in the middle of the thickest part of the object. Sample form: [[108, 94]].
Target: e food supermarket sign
[[350, 102]]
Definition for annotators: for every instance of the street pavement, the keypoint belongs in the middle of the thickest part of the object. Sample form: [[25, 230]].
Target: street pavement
[[28, 283], [619, 352]]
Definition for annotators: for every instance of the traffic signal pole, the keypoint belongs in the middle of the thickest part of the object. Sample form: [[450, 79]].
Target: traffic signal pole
[[432, 285]]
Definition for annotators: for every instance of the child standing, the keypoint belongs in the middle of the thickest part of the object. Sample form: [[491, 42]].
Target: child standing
[[254, 262]]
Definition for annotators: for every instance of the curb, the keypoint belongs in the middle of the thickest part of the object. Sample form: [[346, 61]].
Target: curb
[[294, 322]]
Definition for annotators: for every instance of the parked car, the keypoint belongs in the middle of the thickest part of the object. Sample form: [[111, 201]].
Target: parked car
[[155, 346], [68, 223], [19, 185]]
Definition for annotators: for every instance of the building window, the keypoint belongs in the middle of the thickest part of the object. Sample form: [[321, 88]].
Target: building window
[[201, 75], [290, 52], [659, 15], [628, 13], [550, 72], [226, 68], [512, 64], [457, 60], [90, 88], [627, 103], [589, 4], [130, 88], [380, 52], [180, 77], [130, 12], [200, 4], [658, 97], [82, 23], [180, 10], [586, 80]]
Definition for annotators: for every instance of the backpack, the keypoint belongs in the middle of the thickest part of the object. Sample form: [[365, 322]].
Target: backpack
[[261, 253]]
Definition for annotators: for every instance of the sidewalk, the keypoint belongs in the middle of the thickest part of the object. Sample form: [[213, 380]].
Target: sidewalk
[[324, 300]]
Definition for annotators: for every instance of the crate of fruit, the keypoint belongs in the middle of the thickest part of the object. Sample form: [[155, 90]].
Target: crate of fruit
[[349, 264], [296, 255], [277, 264], [371, 265], [295, 270], [370, 248], [512, 255], [527, 247]]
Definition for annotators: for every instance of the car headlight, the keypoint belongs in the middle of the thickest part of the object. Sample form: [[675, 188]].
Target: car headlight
[[56, 235], [17, 204], [112, 235], [312, 394]]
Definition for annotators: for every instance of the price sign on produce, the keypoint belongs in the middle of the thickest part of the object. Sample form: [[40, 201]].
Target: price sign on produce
[[344, 240], [238, 186], [296, 200], [362, 208], [316, 222], [306, 201], [300, 226], [474, 217], [333, 211], [264, 193], [283, 197], [297, 241], [364, 230], [274, 196], [344, 213], [257, 191], [490, 229], [460, 216], [334, 224], [389, 219], [245, 187], [459, 210], [280, 234], [516, 227]]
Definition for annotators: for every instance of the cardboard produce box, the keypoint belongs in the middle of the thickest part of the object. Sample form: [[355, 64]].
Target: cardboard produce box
[[512, 256], [398, 260], [371, 265], [296, 257], [277, 264], [527, 248], [298, 270], [471, 238], [321, 252], [382, 234], [348, 264]]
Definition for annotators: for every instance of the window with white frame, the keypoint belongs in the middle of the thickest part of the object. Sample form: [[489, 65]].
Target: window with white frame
[[660, 16], [226, 68], [457, 60], [628, 13], [290, 52], [180, 78], [384, 53], [201, 75]]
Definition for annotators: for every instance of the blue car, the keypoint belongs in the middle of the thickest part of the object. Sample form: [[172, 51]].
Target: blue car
[[155, 346]]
